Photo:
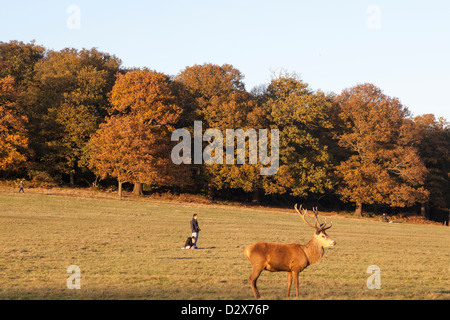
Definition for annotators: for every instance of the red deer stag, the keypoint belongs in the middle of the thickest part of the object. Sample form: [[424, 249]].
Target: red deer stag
[[292, 258]]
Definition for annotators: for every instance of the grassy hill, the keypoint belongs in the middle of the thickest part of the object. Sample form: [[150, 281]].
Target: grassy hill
[[131, 249]]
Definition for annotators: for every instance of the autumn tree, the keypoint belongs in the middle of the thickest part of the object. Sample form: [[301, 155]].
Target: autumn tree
[[131, 150], [13, 139], [134, 145], [17, 59], [216, 96], [67, 102], [384, 165], [434, 150], [17, 62], [209, 87]]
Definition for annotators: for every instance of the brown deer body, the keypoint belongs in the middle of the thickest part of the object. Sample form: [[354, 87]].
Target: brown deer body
[[292, 258]]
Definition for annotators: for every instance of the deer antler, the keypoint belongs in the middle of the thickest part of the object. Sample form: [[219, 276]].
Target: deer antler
[[321, 226], [317, 225], [316, 213], [303, 215]]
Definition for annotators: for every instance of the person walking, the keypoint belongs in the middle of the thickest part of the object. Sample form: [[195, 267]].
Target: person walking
[[195, 229], [21, 186]]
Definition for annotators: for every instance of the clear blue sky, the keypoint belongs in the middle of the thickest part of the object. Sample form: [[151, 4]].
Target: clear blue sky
[[401, 46]]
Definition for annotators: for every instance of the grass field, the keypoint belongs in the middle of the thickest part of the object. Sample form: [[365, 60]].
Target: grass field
[[130, 249]]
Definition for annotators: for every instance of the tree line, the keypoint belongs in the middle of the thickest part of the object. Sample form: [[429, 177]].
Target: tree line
[[77, 117]]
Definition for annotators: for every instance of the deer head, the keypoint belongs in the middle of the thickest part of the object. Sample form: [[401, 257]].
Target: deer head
[[320, 234]]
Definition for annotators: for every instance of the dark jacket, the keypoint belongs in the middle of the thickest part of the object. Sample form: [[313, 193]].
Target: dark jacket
[[189, 242], [194, 225]]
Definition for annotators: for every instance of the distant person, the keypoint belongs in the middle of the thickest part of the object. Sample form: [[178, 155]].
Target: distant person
[[21, 186], [384, 218], [190, 243], [195, 228]]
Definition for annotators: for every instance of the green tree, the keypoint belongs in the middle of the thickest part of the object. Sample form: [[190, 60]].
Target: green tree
[[302, 117]]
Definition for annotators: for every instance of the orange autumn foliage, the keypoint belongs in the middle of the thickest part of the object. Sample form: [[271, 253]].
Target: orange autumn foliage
[[147, 94], [13, 140], [134, 145], [384, 165]]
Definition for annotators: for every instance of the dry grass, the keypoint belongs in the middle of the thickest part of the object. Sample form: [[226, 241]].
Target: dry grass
[[130, 249]]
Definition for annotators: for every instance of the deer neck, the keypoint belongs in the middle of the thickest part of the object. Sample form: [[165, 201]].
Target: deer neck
[[314, 251]]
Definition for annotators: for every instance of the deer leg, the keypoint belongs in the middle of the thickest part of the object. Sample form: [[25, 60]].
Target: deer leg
[[295, 275], [253, 277], [289, 284]]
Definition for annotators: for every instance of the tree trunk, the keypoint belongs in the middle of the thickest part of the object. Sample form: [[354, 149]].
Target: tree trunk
[[72, 178], [423, 210], [255, 199], [210, 191], [120, 189], [358, 210], [138, 189]]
